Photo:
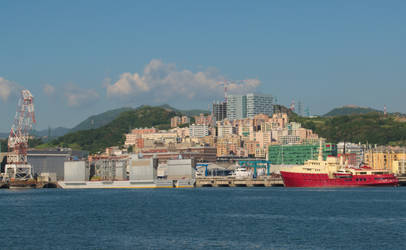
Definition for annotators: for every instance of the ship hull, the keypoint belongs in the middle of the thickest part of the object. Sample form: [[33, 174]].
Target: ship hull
[[293, 179]]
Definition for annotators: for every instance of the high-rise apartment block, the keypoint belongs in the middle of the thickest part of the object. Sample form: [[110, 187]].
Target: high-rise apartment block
[[236, 107], [250, 105], [259, 104], [219, 111]]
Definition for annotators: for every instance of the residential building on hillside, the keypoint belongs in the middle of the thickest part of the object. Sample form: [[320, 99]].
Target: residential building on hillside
[[203, 120], [399, 167], [228, 145], [383, 157], [185, 119], [176, 121], [224, 129], [135, 137], [181, 132], [198, 130]]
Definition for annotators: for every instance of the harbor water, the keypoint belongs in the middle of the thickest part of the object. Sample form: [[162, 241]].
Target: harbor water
[[204, 218]]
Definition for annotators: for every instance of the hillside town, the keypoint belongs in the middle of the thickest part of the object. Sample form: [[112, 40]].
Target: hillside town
[[249, 131], [249, 127]]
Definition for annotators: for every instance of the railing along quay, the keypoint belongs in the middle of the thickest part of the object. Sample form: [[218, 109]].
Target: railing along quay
[[224, 181]]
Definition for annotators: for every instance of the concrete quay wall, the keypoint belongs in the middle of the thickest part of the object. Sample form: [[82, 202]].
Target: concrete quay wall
[[236, 182]]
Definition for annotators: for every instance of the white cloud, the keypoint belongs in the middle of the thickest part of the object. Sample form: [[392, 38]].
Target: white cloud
[[7, 88], [161, 82], [48, 89], [77, 97]]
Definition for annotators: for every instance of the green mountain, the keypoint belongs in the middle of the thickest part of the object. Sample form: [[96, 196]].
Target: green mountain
[[351, 110], [190, 113], [372, 128], [112, 134], [4, 135], [99, 120], [102, 119], [55, 132], [3, 145]]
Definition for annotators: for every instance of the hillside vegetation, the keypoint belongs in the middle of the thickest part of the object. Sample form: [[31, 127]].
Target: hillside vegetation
[[99, 120], [351, 110], [190, 112], [372, 128], [3, 145], [112, 134]]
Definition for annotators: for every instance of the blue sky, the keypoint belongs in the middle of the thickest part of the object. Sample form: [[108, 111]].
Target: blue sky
[[80, 58]]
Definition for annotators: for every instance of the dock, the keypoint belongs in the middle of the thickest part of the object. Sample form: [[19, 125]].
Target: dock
[[402, 180], [29, 184], [225, 181]]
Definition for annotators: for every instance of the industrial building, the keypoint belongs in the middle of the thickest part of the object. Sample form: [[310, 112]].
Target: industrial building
[[298, 154], [143, 170], [180, 169], [52, 160], [200, 154], [110, 168], [76, 171]]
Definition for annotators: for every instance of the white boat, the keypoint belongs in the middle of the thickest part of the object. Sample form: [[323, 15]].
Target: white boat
[[241, 172]]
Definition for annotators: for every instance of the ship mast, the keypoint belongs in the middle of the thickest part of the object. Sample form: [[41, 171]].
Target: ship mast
[[320, 152]]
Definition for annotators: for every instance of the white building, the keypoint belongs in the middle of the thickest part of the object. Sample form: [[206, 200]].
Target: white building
[[224, 129], [243, 106], [198, 130], [236, 107], [259, 104]]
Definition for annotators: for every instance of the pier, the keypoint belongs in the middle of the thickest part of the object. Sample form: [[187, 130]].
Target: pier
[[210, 181], [224, 181]]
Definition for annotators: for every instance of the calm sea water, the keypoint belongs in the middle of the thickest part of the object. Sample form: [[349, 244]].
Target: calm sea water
[[207, 218]]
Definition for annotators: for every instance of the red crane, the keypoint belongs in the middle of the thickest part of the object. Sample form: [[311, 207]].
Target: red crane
[[17, 166]]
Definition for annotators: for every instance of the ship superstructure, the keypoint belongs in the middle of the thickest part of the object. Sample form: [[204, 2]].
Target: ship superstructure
[[333, 172]]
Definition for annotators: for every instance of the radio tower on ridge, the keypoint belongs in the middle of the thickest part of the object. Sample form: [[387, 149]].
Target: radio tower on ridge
[[292, 106]]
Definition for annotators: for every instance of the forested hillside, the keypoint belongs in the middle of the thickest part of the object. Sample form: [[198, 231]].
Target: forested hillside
[[112, 134], [373, 128]]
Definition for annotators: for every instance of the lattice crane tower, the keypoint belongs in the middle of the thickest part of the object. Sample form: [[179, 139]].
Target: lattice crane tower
[[17, 165]]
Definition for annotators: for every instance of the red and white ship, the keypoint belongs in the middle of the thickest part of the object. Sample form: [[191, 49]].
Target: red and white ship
[[334, 173]]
